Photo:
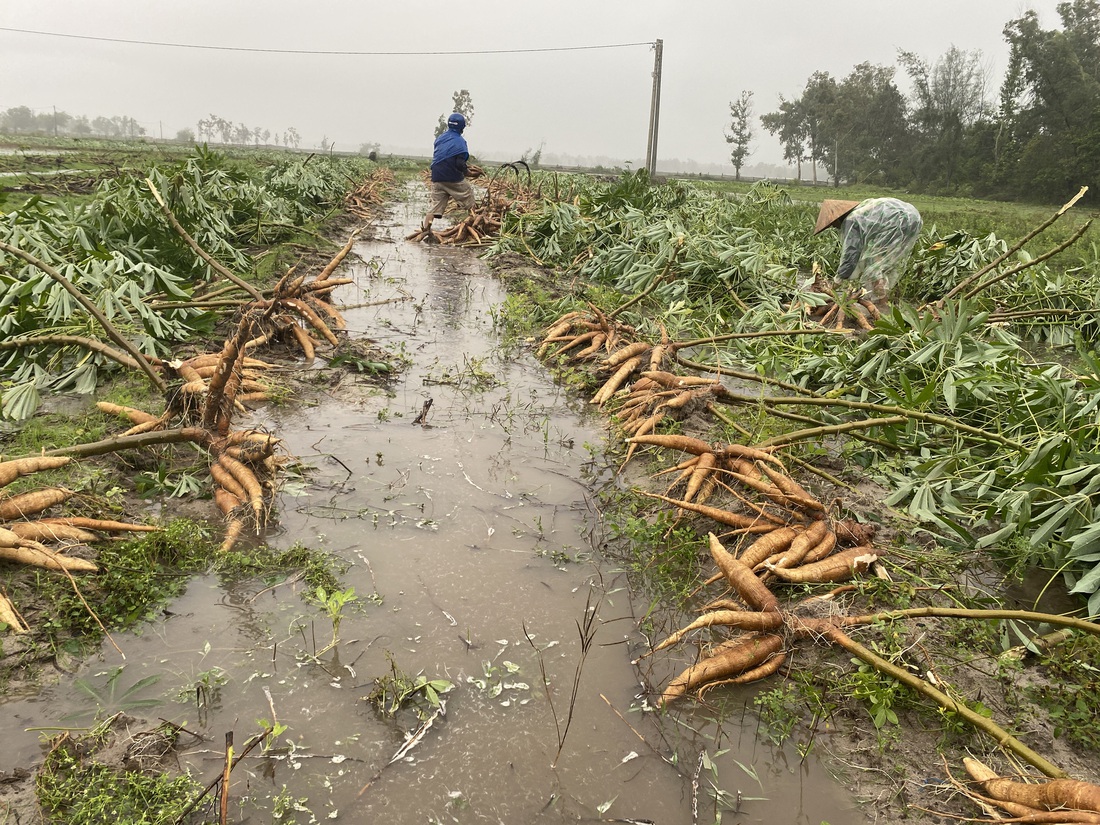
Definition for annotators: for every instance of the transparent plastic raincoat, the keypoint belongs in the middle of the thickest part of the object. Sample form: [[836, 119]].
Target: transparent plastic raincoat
[[877, 236]]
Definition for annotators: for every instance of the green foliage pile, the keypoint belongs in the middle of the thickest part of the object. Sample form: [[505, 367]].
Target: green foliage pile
[[142, 574], [119, 251], [75, 788], [1000, 444]]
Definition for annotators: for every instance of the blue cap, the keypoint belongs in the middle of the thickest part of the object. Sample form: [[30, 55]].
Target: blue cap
[[456, 121]]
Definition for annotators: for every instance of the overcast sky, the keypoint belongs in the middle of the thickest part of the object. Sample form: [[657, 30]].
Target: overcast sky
[[587, 101]]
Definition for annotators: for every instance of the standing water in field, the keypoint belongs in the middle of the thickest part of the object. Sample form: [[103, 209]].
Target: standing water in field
[[459, 499]]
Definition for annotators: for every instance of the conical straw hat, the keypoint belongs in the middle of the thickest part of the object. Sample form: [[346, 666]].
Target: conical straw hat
[[832, 212]]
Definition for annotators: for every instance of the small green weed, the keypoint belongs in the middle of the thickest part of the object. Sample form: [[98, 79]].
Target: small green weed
[[397, 690], [879, 692], [75, 789], [205, 687], [662, 554], [780, 711], [333, 602], [163, 482], [1071, 693], [110, 696]]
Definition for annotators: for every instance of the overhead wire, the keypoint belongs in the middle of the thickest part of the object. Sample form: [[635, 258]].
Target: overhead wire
[[344, 53]]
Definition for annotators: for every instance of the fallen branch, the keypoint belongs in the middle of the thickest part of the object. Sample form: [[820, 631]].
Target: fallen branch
[[196, 435], [830, 429], [965, 285], [1002, 737], [760, 333], [72, 340], [1050, 254], [1083, 625], [931, 418]]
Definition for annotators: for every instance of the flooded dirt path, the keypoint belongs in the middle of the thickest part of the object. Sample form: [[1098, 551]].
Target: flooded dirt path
[[472, 543]]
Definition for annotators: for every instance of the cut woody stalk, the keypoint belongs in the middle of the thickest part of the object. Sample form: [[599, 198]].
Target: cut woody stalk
[[949, 703], [760, 333], [966, 284], [830, 429], [72, 340], [966, 429], [1050, 254], [202, 253]]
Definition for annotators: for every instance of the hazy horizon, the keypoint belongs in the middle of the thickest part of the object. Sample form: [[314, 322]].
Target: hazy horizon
[[572, 78]]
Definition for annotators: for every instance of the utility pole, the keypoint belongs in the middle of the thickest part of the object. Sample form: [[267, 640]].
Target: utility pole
[[654, 111]]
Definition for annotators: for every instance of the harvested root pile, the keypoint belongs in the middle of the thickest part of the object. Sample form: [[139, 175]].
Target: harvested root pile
[[595, 337], [203, 393], [244, 464], [365, 199], [761, 649], [840, 307], [484, 220], [245, 470], [788, 537], [1053, 800]]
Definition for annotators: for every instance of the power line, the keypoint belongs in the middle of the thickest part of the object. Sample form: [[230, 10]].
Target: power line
[[318, 51]]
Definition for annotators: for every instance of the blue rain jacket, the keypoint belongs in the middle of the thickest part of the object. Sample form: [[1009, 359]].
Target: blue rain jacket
[[449, 157]]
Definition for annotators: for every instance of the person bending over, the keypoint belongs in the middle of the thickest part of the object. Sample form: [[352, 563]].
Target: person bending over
[[877, 236]]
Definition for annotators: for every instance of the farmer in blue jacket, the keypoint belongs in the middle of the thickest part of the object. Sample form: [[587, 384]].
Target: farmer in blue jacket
[[450, 168]]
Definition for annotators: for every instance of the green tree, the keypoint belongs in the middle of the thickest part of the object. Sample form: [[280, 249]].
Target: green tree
[[104, 127], [788, 124], [866, 135], [1050, 103], [817, 105], [949, 99], [18, 120], [740, 134], [461, 103]]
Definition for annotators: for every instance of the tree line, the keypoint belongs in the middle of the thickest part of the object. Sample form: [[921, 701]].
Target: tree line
[[22, 120], [1039, 140]]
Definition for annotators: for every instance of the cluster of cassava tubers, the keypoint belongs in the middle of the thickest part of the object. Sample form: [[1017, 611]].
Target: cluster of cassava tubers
[[761, 649], [839, 306], [207, 390], [788, 532], [1049, 801], [28, 537], [364, 200]]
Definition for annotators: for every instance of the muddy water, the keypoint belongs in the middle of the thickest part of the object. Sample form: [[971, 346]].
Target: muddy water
[[471, 540]]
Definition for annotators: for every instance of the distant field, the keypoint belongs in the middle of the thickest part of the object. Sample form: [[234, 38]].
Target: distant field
[[81, 161], [1010, 221]]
